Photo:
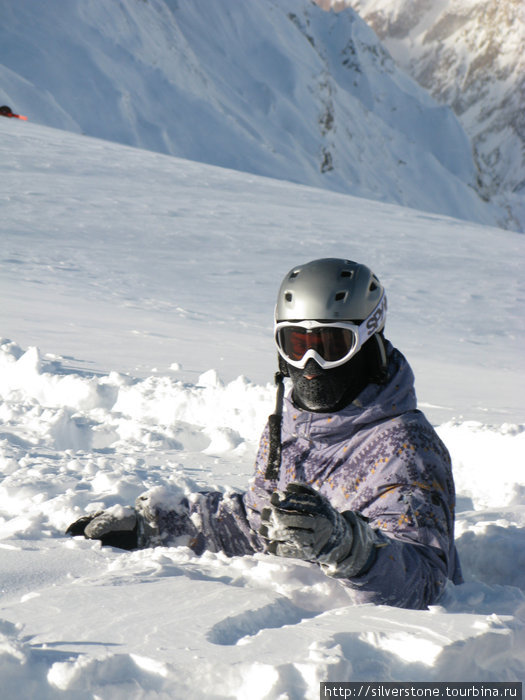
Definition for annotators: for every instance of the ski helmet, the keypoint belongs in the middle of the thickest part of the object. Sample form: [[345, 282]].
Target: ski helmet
[[331, 289], [327, 310]]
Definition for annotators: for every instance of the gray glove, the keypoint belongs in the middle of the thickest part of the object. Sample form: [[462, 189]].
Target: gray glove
[[301, 523], [120, 526]]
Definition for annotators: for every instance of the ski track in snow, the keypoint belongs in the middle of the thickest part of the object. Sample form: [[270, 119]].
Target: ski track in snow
[[82, 430]]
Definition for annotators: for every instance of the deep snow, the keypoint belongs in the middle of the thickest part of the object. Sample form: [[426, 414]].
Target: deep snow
[[148, 283]]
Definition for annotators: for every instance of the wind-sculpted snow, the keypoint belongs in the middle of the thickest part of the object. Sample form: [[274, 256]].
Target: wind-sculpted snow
[[165, 623]]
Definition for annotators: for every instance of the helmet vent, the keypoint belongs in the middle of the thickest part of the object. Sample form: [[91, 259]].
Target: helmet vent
[[347, 273], [340, 296], [373, 286], [288, 296], [294, 274]]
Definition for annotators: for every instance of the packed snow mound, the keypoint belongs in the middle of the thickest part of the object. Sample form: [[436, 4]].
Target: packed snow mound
[[278, 88], [72, 443], [157, 401]]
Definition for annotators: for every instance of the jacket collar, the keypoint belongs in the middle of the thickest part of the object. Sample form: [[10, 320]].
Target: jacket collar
[[374, 404]]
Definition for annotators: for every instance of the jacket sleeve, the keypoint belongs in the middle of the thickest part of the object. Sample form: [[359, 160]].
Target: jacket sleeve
[[210, 520], [403, 575], [207, 520]]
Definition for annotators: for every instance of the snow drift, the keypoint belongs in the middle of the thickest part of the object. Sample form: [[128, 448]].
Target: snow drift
[[164, 622]]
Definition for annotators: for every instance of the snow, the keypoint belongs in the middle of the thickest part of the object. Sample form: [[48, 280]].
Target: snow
[[137, 353], [469, 55], [277, 88]]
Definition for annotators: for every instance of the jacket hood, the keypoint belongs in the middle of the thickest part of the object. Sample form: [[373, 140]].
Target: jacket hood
[[376, 403]]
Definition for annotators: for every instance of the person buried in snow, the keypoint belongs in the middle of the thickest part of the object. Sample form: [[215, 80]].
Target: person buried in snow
[[349, 474]]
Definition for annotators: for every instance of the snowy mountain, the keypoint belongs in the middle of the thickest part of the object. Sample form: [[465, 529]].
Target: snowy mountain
[[137, 291], [278, 88], [468, 54]]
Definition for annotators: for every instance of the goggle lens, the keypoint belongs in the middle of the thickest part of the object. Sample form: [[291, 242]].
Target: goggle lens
[[332, 344]]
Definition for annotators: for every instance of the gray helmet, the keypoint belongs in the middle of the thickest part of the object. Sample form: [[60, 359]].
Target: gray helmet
[[331, 289]]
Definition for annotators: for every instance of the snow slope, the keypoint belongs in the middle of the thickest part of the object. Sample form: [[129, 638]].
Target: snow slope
[[147, 284], [468, 54], [278, 88]]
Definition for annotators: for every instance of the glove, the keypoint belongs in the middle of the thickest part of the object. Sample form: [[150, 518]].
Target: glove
[[115, 527], [301, 523]]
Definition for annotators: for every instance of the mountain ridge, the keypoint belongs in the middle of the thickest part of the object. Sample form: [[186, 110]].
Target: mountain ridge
[[468, 54]]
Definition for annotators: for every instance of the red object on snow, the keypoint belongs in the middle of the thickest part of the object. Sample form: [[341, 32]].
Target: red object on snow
[[6, 111]]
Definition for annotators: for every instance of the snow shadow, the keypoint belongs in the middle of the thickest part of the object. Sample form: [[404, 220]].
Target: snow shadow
[[282, 612], [495, 555]]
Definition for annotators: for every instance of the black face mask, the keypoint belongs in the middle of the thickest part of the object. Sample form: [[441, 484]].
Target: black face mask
[[326, 390]]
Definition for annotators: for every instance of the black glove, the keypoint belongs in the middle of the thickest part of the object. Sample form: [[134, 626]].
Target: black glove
[[117, 527], [301, 523]]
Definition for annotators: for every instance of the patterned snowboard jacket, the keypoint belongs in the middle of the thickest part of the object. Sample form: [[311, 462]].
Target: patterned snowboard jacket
[[379, 456]]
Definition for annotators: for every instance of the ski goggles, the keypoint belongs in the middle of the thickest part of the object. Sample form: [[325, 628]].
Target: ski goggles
[[330, 344]]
